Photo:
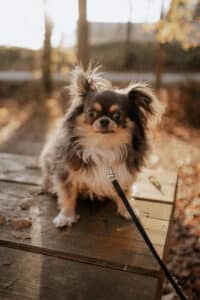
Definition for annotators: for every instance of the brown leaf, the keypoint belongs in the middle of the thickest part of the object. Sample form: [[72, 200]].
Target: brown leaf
[[22, 235], [155, 183], [19, 224], [2, 220], [26, 203]]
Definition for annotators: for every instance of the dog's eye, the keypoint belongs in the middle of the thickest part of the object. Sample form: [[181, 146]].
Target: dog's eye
[[92, 114], [116, 116]]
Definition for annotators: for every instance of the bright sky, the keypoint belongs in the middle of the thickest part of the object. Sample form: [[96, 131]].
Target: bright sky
[[22, 21]]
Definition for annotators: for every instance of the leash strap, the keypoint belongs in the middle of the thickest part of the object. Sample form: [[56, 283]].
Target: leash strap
[[143, 233]]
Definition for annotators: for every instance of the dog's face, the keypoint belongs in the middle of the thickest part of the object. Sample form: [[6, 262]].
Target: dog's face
[[106, 112], [110, 118]]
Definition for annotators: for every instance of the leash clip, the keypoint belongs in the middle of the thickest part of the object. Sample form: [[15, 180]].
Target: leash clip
[[111, 174]]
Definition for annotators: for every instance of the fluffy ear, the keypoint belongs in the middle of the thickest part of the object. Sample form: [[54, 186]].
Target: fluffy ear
[[144, 104], [83, 82]]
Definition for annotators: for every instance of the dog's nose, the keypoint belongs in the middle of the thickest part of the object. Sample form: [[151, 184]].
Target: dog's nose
[[104, 122]]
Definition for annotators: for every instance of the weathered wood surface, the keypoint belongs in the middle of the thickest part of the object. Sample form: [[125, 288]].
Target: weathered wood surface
[[100, 237], [25, 276], [25, 169], [19, 168]]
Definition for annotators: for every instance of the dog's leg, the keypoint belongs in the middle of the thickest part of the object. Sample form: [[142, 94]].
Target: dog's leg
[[67, 195], [45, 184], [121, 209]]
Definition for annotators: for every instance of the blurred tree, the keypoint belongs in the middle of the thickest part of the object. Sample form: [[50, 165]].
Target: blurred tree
[[61, 57], [180, 24], [47, 53], [83, 34], [197, 12], [159, 65], [159, 56], [128, 56]]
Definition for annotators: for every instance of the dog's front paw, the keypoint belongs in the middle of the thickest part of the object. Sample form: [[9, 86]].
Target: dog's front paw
[[61, 220]]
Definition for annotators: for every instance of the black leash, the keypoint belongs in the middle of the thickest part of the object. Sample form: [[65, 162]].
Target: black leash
[[142, 231]]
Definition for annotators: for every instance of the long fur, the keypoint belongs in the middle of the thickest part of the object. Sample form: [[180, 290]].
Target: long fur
[[76, 159]]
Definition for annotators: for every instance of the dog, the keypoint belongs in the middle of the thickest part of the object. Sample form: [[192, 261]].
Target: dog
[[103, 127]]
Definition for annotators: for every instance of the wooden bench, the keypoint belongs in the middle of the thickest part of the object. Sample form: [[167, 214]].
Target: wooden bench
[[100, 257]]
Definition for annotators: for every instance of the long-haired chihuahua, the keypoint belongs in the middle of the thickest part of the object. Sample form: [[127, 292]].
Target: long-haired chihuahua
[[103, 127]]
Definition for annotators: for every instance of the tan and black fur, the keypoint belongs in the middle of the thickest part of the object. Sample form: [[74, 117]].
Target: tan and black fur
[[103, 127]]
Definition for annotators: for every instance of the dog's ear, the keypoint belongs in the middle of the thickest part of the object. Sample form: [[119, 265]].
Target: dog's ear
[[144, 104], [84, 82]]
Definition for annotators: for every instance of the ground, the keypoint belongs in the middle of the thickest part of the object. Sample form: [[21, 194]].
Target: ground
[[25, 124]]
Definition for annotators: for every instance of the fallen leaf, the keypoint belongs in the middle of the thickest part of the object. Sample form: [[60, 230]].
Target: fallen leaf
[[7, 285], [155, 183], [19, 224], [32, 167], [22, 235], [26, 203], [2, 220]]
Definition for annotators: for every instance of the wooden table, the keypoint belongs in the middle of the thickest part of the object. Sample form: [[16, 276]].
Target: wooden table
[[100, 257]]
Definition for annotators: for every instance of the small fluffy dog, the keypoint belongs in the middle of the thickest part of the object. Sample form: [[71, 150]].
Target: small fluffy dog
[[103, 127]]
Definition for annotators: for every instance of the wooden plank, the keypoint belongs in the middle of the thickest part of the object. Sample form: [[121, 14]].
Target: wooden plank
[[19, 168], [34, 276], [154, 210], [146, 190], [112, 241], [163, 175], [157, 185], [24, 169], [100, 237], [168, 237]]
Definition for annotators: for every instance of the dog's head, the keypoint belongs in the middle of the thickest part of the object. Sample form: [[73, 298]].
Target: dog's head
[[115, 119], [104, 110]]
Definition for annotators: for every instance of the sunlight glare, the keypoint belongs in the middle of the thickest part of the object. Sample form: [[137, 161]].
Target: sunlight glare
[[22, 21]]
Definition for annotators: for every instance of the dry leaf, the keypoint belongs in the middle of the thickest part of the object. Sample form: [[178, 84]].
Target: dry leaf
[[22, 235], [19, 224], [32, 167], [2, 220], [155, 183], [7, 285], [26, 203]]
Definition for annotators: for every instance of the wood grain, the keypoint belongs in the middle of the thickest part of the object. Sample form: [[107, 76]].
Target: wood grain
[[19, 168], [100, 237], [31, 276]]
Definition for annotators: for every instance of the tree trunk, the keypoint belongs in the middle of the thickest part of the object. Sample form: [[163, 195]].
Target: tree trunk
[[128, 38], [82, 54], [47, 57], [160, 57], [127, 45], [159, 66]]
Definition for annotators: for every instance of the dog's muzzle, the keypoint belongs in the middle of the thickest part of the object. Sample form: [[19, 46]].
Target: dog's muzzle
[[104, 125]]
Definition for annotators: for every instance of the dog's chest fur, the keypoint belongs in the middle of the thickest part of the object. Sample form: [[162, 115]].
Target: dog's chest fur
[[99, 156]]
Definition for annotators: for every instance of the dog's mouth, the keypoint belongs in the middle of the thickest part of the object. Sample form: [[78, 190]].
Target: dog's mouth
[[104, 125], [104, 130]]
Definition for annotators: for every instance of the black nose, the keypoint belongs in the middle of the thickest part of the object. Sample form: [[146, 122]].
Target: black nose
[[104, 122]]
